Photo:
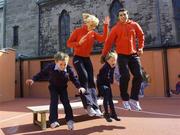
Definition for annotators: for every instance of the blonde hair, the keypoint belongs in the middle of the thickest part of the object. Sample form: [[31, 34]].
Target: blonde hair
[[90, 18], [61, 56], [111, 55]]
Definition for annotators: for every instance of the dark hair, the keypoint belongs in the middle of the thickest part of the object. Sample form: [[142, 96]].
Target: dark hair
[[179, 76], [122, 10]]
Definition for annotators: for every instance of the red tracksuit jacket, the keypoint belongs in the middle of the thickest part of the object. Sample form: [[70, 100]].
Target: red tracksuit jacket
[[85, 48], [123, 35]]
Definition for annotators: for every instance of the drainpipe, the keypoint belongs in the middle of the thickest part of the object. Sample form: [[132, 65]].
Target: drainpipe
[[21, 77], [164, 45], [21, 58], [166, 70]]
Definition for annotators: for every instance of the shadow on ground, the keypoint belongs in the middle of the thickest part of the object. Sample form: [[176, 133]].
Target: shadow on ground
[[29, 128], [85, 131]]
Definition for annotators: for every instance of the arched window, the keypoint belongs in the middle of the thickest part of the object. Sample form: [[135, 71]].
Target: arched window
[[176, 6], [113, 11], [64, 31]]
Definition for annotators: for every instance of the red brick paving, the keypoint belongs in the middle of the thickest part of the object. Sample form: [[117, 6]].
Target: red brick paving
[[160, 116]]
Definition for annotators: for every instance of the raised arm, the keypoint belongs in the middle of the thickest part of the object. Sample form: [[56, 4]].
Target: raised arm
[[109, 42], [102, 37]]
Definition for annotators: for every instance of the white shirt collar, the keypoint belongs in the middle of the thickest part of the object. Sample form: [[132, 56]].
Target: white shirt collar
[[57, 68]]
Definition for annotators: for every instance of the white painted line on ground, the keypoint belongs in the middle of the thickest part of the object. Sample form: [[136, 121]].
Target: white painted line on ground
[[154, 113], [173, 97], [19, 116]]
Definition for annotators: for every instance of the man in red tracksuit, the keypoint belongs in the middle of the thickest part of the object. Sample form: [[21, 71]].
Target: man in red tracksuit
[[82, 40], [124, 35]]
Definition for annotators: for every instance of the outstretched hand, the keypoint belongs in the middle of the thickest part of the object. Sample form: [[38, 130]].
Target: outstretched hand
[[29, 82]]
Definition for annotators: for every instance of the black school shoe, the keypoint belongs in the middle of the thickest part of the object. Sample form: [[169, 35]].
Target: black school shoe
[[115, 117], [107, 117]]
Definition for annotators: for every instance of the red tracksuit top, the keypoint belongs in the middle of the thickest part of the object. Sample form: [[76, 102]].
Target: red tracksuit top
[[85, 48], [123, 35]]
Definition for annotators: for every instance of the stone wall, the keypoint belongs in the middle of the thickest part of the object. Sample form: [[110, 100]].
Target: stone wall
[[23, 13], [49, 42], [167, 22], [155, 17]]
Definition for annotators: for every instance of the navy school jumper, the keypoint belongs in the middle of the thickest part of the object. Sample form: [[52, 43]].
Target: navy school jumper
[[104, 81], [58, 89]]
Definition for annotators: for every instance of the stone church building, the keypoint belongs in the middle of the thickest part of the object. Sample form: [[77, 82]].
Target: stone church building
[[41, 27]]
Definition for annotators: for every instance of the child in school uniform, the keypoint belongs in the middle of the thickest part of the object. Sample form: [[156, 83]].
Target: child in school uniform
[[59, 73], [104, 81]]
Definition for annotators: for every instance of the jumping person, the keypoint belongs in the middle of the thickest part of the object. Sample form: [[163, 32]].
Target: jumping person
[[105, 78], [82, 40], [124, 35], [59, 73]]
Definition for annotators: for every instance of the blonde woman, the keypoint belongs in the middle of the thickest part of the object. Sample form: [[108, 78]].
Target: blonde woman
[[82, 41]]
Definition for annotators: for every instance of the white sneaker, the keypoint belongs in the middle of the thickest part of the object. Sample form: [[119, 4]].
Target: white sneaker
[[54, 124], [135, 105], [98, 113], [70, 125], [126, 105], [91, 111]]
